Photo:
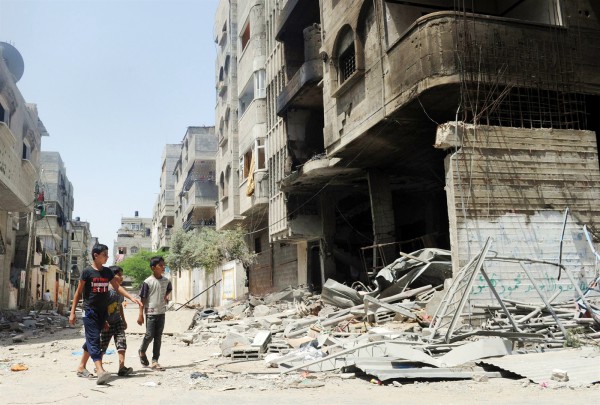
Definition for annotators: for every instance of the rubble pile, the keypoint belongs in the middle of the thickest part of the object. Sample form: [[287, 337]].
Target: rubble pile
[[408, 329], [17, 326]]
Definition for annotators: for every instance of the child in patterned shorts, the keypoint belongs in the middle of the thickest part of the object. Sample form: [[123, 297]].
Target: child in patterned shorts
[[116, 324]]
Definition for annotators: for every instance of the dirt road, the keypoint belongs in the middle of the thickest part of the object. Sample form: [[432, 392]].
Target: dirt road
[[197, 374]]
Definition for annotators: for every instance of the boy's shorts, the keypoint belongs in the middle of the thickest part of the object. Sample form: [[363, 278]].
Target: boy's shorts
[[116, 329]]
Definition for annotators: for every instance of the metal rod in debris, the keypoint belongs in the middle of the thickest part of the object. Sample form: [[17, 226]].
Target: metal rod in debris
[[493, 290], [550, 309], [206, 289], [562, 237]]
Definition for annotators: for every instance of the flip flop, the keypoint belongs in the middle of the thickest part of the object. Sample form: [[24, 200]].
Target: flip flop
[[103, 378], [85, 374], [157, 367], [143, 359]]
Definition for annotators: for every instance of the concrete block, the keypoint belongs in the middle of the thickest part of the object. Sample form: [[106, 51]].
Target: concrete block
[[261, 340], [245, 353]]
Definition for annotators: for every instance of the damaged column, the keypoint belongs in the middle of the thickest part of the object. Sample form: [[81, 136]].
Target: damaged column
[[513, 185]]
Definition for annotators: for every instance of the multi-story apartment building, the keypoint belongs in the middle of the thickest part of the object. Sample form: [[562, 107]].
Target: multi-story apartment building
[[195, 187], [226, 116], [20, 143], [163, 217], [195, 200], [54, 210], [393, 126], [81, 240], [242, 115], [80, 250], [134, 235], [464, 124]]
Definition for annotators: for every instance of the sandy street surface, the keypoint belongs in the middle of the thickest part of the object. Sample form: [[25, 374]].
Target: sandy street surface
[[52, 357]]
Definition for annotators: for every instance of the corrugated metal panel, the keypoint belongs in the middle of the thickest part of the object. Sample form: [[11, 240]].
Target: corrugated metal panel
[[582, 365]]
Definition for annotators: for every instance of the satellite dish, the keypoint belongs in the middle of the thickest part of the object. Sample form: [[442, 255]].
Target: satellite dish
[[13, 60]]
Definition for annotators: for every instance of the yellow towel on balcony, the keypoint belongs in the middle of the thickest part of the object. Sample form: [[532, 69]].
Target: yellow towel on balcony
[[250, 189]]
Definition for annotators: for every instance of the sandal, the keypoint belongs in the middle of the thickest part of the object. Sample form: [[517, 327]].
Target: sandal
[[103, 378], [157, 367], [85, 374], [143, 359], [125, 371]]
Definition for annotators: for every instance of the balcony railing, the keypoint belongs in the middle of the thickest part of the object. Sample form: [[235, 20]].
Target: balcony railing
[[196, 224]]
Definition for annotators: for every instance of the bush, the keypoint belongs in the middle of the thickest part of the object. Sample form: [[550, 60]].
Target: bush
[[207, 249]]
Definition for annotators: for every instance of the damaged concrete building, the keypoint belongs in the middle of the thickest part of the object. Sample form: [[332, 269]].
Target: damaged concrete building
[[393, 126], [21, 132]]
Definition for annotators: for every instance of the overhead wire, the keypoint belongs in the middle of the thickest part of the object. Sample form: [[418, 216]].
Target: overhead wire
[[318, 192]]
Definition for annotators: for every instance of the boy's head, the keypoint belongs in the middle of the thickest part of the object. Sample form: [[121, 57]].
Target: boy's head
[[100, 252], [157, 264], [118, 272]]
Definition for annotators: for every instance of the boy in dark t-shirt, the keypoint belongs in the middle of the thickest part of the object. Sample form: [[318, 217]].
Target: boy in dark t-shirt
[[93, 285]]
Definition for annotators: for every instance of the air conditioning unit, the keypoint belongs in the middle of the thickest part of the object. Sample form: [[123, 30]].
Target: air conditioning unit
[[55, 260]]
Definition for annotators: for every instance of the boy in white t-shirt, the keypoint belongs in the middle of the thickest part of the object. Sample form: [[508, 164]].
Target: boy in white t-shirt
[[155, 295]]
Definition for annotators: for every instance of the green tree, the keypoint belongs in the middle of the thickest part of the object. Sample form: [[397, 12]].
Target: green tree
[[207, 249], [137, 266]]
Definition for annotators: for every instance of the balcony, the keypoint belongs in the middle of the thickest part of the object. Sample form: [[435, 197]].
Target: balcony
[[201, 197], [302, 90], [166, 211], [164, 238], [502, 52], [259, 199], [252, 123], [17, 176], [317, 172]]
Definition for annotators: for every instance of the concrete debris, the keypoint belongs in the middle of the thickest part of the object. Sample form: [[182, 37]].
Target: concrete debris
[[410, 333], [18, 326], [559, 375]]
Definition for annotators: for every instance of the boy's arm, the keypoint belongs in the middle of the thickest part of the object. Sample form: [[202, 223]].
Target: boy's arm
[[78, 293], [143, 296], [124, 292]]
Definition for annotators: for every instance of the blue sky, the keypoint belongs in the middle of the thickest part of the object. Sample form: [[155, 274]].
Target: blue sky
[[114, 81]]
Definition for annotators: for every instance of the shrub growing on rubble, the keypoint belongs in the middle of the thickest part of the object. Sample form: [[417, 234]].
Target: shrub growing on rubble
[[207, 249]]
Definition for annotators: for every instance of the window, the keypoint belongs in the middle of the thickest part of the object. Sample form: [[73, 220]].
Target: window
[[346, 54], [4, 115], [245, 161], [222, 189], [257, 247], [259, 145], [245, 36], [347, 63], [259, 84], [26, 150], [246, 97], [134, 250]]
